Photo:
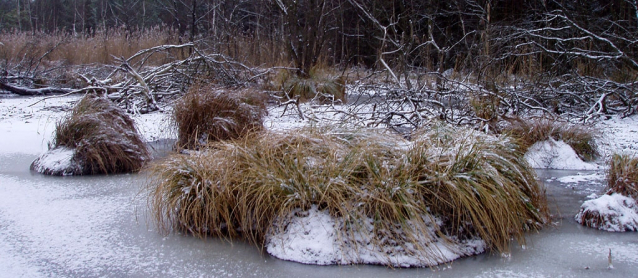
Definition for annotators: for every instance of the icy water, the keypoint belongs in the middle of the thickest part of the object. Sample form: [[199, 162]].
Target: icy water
[[98, 226]]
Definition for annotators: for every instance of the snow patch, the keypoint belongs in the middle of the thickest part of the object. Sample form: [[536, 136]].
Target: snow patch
[[614, 213], [619, 135], [582, 178], [56, 162], [551, 154], [311, 237]]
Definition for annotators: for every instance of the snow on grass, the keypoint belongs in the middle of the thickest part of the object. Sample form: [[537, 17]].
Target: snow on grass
[[310, 237], [58, 162], [27, 124], [614, 213], [552, 154]]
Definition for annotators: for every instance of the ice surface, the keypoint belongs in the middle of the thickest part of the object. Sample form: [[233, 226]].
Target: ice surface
[[582, 178], [49, 228]]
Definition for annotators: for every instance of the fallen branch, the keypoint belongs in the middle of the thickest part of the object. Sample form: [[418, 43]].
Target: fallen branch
[[33, 92]]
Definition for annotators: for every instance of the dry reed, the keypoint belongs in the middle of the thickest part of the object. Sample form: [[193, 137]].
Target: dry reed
[[527, 133], [104, 138], [206, 114], [622, 176], [477, 185]]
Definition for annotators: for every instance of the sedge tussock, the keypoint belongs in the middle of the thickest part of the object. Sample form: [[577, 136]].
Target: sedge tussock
[[580, 138], [206, 114], [104, 138], [617, 210], [622, 176], [399, 193]]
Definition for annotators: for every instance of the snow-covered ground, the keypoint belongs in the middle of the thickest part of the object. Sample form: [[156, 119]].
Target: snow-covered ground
[[558, 155], [49, 228]]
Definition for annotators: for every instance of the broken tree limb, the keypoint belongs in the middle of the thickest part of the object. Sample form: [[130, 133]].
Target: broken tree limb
[[33, 92], [152, 104]]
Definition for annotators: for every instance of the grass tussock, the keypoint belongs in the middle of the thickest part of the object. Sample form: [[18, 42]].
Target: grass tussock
[[580, 138], [622, 176], [320, 86], [616, 210], [206, 114], [485, 106], [104, 138], [475, 184]]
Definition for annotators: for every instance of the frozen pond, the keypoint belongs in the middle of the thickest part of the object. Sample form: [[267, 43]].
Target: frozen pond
[[98, 226]]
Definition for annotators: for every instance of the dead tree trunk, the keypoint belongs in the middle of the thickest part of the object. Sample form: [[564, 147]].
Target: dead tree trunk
[[33, 92]]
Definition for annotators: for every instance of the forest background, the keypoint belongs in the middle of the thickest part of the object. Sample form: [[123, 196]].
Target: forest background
[[563, 57]]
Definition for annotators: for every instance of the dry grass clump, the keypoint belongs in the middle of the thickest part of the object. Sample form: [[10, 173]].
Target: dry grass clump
[[205, 114], [104, 138], [622, 176], [475, 184], [527, 133], [485, 106], [320, 87]]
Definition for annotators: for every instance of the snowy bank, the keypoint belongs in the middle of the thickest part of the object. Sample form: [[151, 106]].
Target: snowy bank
[[552, 154], [57, 162], [313, 237], [614, 213]]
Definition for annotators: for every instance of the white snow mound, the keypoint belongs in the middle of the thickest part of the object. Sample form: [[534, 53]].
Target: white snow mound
[[614, 213], [310, 237], [57, 162], [551, 154]]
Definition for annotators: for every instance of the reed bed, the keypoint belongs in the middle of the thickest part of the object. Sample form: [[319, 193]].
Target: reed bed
[[103, 136], [79, 49], [475, 185]]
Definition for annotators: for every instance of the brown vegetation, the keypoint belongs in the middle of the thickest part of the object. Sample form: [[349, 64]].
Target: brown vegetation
[[527, 132], [104, 138], [622, 177], [207, 114], [477, 185], [320, 87], [102, 47]]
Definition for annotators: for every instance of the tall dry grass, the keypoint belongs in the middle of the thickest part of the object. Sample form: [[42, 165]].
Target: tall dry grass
[[475, 184], [527, 132], [104, 138], [80, 49], [106, 44], [622, 176], [208, 114]]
